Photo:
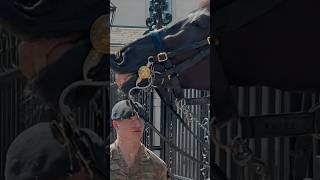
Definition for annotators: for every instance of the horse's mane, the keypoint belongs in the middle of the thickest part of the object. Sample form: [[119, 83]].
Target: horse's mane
[[196, 15]]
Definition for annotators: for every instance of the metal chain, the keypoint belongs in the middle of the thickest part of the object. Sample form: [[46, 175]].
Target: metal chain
[[186, 112], [241, 153], [147, 131], [205, 155], [170, 149]]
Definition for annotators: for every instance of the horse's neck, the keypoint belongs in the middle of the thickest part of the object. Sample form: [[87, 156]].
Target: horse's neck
[[197, 77]]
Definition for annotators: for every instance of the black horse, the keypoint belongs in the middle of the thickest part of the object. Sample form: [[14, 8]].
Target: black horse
[[175, 45]]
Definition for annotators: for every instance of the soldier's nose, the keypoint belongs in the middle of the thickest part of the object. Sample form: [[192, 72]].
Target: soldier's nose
[[137, 123]]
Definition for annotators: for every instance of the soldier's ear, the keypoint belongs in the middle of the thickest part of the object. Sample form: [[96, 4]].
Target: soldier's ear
[[114, 124]]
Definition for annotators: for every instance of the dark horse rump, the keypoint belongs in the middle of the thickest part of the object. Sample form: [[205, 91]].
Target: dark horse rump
[[272, 43]]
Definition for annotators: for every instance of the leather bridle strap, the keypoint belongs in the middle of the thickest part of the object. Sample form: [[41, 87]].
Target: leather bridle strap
[[195, 45], [156, 37], [171, 72], [160, 47], [188, 63]]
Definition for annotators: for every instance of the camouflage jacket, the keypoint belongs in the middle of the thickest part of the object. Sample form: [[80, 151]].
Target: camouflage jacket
[[147, 165]]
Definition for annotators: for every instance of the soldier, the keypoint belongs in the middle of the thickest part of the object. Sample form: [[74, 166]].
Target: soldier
[[35, 154], [129, 158]]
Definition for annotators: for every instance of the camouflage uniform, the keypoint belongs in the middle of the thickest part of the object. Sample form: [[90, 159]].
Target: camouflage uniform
[[147, 165]]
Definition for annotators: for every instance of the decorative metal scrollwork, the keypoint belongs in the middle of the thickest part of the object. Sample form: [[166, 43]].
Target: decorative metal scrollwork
[[159, 14]]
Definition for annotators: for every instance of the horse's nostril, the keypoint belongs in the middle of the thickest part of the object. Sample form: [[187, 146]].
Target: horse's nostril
[[27, 3]]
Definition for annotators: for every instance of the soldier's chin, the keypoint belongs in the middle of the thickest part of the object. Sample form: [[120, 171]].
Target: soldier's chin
[[136, 137]]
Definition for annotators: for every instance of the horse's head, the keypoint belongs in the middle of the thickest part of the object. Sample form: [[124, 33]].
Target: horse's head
[[181, 38]]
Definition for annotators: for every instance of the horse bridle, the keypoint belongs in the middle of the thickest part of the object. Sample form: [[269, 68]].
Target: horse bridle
[[170, 72], [149, 72]]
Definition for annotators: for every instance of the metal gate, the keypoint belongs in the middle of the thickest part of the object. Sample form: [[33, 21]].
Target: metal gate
[[192, 136], [189, 159], [282, 155], [18, 113]]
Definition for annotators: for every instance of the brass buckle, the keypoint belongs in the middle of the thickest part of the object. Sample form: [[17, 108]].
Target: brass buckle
[[163, 56]]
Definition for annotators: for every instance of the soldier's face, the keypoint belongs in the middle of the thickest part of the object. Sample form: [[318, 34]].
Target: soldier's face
[[131, 129]]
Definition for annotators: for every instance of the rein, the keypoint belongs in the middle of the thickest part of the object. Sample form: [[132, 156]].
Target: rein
[[161, 60], [171, 72]]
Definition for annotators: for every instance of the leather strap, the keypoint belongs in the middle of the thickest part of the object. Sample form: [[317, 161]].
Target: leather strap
[[157, 41]]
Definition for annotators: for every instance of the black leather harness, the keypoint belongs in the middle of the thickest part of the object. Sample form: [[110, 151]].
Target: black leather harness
[[169, 77]]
